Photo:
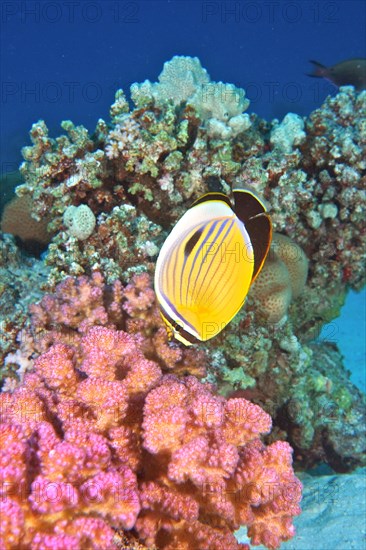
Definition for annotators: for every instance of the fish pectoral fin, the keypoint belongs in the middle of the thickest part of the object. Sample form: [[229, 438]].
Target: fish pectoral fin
[[189, 315]]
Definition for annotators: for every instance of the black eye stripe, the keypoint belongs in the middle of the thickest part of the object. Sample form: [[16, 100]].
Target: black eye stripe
[[190, 244]]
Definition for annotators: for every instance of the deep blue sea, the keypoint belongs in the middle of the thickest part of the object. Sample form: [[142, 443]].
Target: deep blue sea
[[64, 59]]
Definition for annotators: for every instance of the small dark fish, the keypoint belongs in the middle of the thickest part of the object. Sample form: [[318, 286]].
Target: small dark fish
[[346, 73]]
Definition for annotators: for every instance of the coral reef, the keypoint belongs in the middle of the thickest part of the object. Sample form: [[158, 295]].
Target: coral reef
[[80, 221], [80, 303], [141, 171], [155, 159], [321, 185], [289, 134], [98, 440], [17, 220], [21, 279], [282, 278], [305, 388], [220, 106]]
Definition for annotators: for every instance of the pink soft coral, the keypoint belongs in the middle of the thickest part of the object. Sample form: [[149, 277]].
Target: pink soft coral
[[81, 302], [99, 441]]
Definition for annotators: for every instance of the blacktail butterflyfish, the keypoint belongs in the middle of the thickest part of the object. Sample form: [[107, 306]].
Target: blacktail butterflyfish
[[208, 263]]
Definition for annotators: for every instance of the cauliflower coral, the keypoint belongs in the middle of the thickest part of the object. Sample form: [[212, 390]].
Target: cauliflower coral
[[97, 442]]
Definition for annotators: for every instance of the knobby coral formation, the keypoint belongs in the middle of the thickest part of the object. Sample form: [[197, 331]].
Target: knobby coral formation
[[97, 440], [282, 278], [20, 280], [17, 220], [80, 221], [80, 303]]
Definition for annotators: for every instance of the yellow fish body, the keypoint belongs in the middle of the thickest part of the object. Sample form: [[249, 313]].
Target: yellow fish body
[[208, 262]]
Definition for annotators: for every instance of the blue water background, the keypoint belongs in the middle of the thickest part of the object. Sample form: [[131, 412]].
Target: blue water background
[[64, 60], [348, 332]]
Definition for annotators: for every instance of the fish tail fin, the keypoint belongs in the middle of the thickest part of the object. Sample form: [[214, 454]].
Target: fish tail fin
[[319, 71]]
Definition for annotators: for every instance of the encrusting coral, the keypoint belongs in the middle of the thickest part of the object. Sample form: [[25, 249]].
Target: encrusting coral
[[282, 278], [97, 440], [17, 220], [80, 221]]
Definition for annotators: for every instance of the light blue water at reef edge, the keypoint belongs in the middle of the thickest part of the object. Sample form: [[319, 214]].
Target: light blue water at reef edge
[[348, 332]]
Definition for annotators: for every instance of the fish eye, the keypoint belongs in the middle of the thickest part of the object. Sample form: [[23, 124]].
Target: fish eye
[[176, 327]]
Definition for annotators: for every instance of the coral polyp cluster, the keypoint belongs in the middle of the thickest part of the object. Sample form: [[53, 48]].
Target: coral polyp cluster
[[282, 278], [97, 440]]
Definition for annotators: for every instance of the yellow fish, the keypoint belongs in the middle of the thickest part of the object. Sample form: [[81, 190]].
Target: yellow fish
[[208, 262]]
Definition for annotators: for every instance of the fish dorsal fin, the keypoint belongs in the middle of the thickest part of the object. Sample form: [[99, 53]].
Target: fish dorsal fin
[[317, 64], [213, 197], [252, 212]]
